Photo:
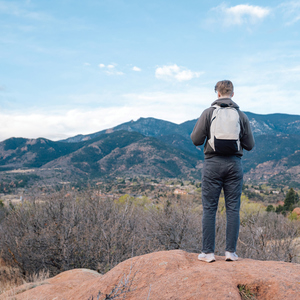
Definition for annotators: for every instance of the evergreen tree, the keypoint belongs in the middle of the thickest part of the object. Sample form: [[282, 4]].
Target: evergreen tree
[[280, 209], [290, 199], [270, 208]]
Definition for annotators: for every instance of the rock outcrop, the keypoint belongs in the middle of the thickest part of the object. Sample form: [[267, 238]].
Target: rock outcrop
[[173, 275], [297, 211]]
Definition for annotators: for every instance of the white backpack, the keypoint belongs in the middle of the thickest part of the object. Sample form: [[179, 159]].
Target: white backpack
[[225, 130]]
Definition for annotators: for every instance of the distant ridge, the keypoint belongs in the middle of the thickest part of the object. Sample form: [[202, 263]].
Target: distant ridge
[[146, 126], [261, 124], [158, 148]]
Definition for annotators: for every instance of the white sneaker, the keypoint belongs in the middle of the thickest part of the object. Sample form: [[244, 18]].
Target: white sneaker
[[208, 257], [231, 256]]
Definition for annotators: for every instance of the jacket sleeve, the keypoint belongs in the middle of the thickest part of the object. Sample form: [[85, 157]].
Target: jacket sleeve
[[201, 129], [247, 139]]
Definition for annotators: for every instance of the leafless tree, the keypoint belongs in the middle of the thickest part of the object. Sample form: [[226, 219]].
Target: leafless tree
[[69, 229]]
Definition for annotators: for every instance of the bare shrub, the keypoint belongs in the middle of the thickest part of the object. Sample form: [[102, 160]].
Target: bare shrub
[[263, 236], [174, 225], [220, 242], [269, 236], [64, 231]]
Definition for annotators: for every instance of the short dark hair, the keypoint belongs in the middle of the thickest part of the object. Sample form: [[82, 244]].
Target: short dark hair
[[224, 87]]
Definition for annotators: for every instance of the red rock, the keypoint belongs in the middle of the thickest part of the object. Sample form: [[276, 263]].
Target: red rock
[[297, 211], [57, 287], [176, 275]]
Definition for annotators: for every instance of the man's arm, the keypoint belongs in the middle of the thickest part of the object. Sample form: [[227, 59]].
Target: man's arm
[[247, 140], [200, 131]]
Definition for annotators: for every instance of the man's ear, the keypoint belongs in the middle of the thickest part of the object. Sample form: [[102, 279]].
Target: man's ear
[[219, 95], [232, 94]]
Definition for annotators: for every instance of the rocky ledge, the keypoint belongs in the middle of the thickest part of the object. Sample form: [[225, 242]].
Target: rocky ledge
[[172, 275]]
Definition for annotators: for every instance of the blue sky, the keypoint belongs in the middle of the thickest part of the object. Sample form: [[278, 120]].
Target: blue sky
[[71, 66]]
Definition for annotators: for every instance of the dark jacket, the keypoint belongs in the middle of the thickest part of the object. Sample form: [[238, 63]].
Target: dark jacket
[[201, 132]]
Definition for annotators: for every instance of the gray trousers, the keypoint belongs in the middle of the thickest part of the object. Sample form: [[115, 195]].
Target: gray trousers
[[221, 172]]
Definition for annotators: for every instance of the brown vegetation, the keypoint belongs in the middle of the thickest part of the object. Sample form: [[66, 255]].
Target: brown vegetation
[[69, 229]]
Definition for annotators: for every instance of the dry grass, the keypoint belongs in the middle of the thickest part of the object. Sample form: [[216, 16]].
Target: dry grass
[[38, 277], [11, 279], [246, 293]]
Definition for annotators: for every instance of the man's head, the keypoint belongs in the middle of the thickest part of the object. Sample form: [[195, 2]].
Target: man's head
[[224, 88]]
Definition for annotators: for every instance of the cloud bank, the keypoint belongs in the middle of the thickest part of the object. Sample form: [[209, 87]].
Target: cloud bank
[[185, 106], [59, 125]]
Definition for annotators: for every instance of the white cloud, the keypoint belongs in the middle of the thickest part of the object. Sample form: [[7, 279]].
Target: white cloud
[[86, 64], [137, 69], [56, 126], [242, 13], [110, 69], [175, 72], [291, 11]]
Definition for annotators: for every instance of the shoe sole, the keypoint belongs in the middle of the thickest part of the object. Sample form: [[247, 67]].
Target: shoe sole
[[208, 261], [229, 259]]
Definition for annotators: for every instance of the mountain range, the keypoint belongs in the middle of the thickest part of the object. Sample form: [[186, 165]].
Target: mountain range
[[158, 148]]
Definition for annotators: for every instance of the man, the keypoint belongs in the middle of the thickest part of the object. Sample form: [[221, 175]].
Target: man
[[221, 171]]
